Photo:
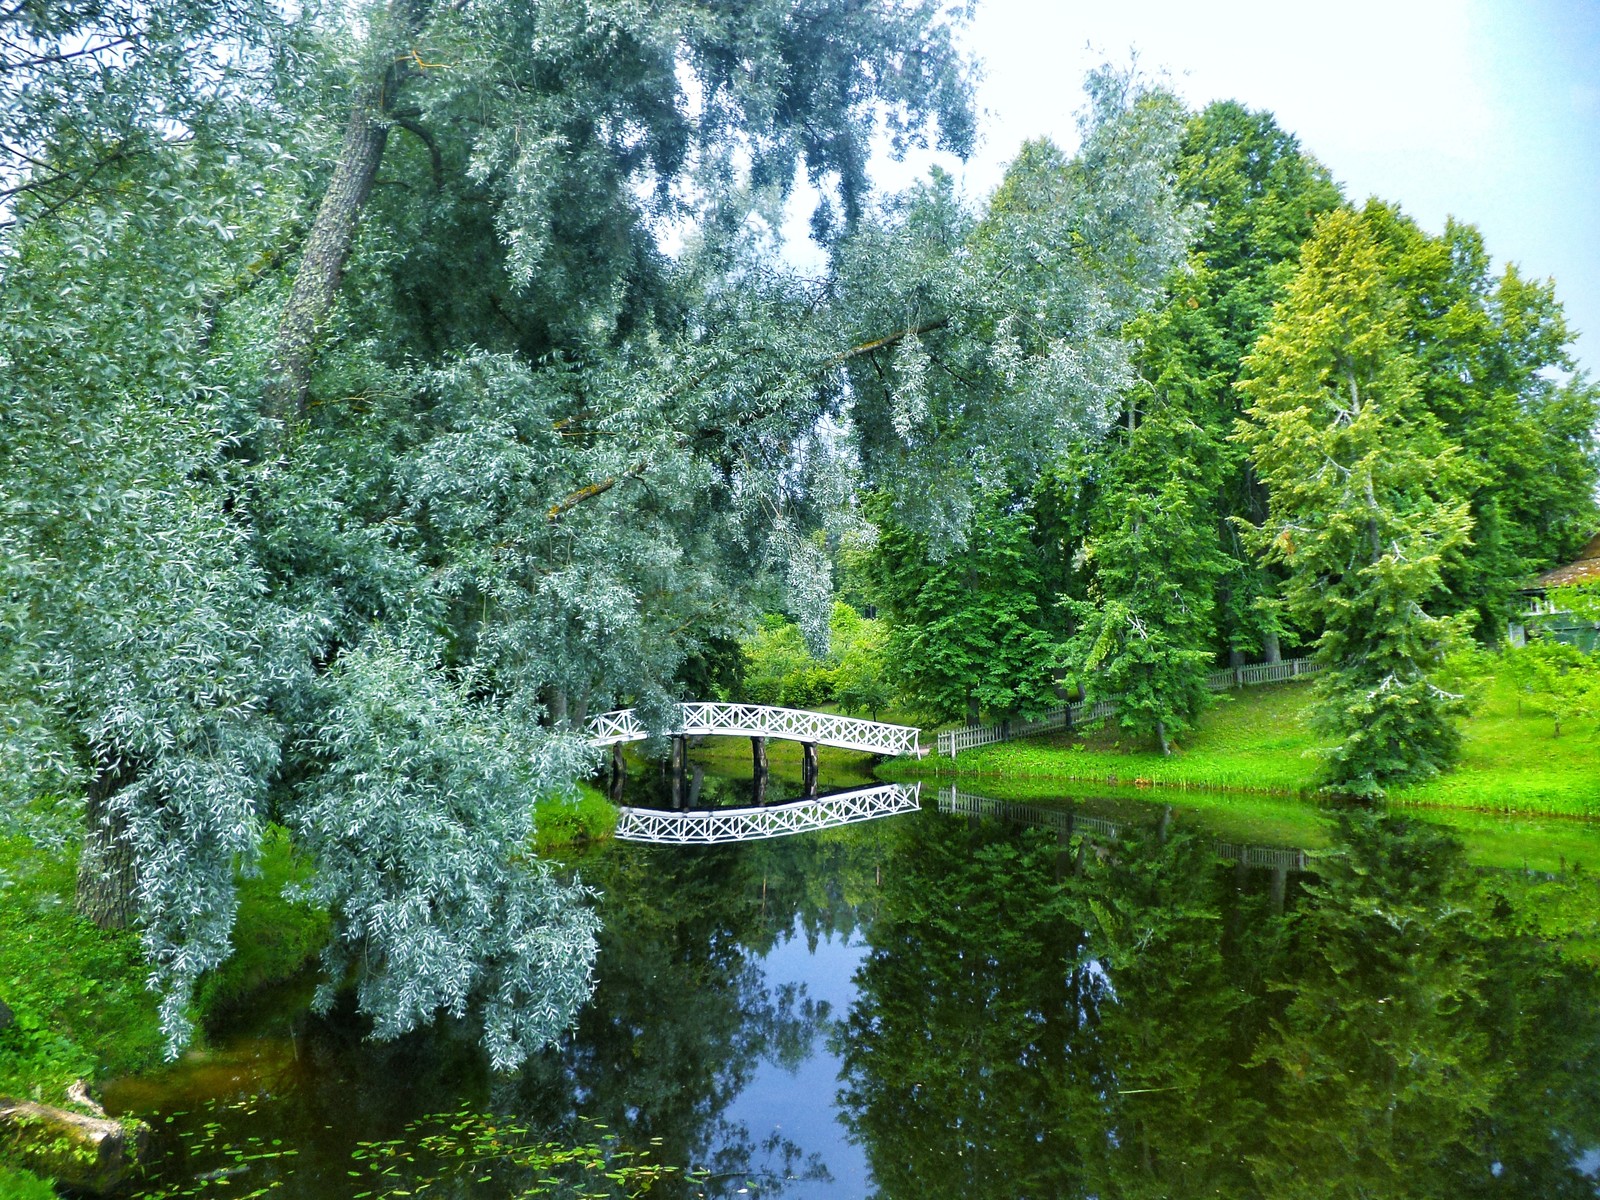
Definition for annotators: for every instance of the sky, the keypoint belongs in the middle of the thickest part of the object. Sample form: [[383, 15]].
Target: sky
[[1485, 110]]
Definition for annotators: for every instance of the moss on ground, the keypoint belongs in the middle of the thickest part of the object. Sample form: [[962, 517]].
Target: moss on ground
[[17, 1184]]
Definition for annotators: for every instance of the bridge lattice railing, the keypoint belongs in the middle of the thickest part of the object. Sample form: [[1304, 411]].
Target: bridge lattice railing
[[760, 720], [717, 826]]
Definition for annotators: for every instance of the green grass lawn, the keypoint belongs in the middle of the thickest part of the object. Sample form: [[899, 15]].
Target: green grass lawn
[[1258, 740], [1251, 740], [1511, 762]]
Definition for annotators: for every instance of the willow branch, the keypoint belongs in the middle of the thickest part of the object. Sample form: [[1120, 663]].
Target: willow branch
[[590, 491], [885, 342]]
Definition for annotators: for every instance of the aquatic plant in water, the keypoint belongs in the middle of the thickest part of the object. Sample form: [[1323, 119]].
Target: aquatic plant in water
[[436, 1155]]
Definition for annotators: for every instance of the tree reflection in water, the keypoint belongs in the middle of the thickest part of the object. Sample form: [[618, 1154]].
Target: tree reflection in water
[[1039, 1019], [683, 1014], [1033, 1016]]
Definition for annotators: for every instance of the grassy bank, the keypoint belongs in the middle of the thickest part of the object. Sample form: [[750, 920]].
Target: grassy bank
[[1511, 761], [80, 1008], [561, 825], [1254, 740], [1259, 740], [78, 993]]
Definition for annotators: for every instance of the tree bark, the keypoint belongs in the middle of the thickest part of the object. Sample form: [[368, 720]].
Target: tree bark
[[107, 869], [316, 282], [1271, 648]]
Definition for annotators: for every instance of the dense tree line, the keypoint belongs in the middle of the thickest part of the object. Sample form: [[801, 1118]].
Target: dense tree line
[[1339, 432]]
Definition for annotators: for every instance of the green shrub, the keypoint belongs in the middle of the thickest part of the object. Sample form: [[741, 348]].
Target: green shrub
[[560, 823]]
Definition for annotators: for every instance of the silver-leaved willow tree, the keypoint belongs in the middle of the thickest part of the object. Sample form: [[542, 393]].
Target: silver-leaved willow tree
[[429, 378]]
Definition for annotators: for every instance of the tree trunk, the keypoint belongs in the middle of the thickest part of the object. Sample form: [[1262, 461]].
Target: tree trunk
[[316, 282], [619, 772], [1271, 650], [555, 706], [1161, 737], [107, 869]]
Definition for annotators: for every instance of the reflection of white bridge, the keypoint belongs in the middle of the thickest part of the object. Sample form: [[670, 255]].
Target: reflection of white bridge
[[760, 721], [713, 826], [1067, 822]]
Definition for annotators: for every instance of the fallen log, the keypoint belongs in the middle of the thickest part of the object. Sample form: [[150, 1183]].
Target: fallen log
[[89, 1154]]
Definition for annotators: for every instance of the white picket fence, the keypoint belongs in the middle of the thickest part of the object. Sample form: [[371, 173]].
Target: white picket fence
[[952, 742]]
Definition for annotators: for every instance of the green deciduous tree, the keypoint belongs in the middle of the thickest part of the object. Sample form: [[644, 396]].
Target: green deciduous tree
[[971, 630], [1365, 508], [1556, 679]]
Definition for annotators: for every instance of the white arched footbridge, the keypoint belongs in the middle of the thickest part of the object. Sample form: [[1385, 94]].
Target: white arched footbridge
[[711, 827], [760, 721]]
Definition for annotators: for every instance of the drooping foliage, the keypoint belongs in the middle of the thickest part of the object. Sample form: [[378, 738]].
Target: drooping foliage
[[345, 467], [1004, 355], [986, 342]]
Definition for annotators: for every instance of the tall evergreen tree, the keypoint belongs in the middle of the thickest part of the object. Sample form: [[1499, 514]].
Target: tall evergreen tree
[[1260, 194], [1144, 632], [1495, 370], [1364, 508]]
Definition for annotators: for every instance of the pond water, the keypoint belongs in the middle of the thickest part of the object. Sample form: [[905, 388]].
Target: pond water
[[948, 1004]]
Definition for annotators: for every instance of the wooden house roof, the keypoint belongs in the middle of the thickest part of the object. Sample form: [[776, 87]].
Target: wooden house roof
[[1584, 569]]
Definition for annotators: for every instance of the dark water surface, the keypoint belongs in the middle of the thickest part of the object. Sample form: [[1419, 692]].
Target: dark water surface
[[940, 1005]]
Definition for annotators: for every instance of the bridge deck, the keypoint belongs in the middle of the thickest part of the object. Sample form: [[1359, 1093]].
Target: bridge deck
[[760, 720], [716, 826]]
